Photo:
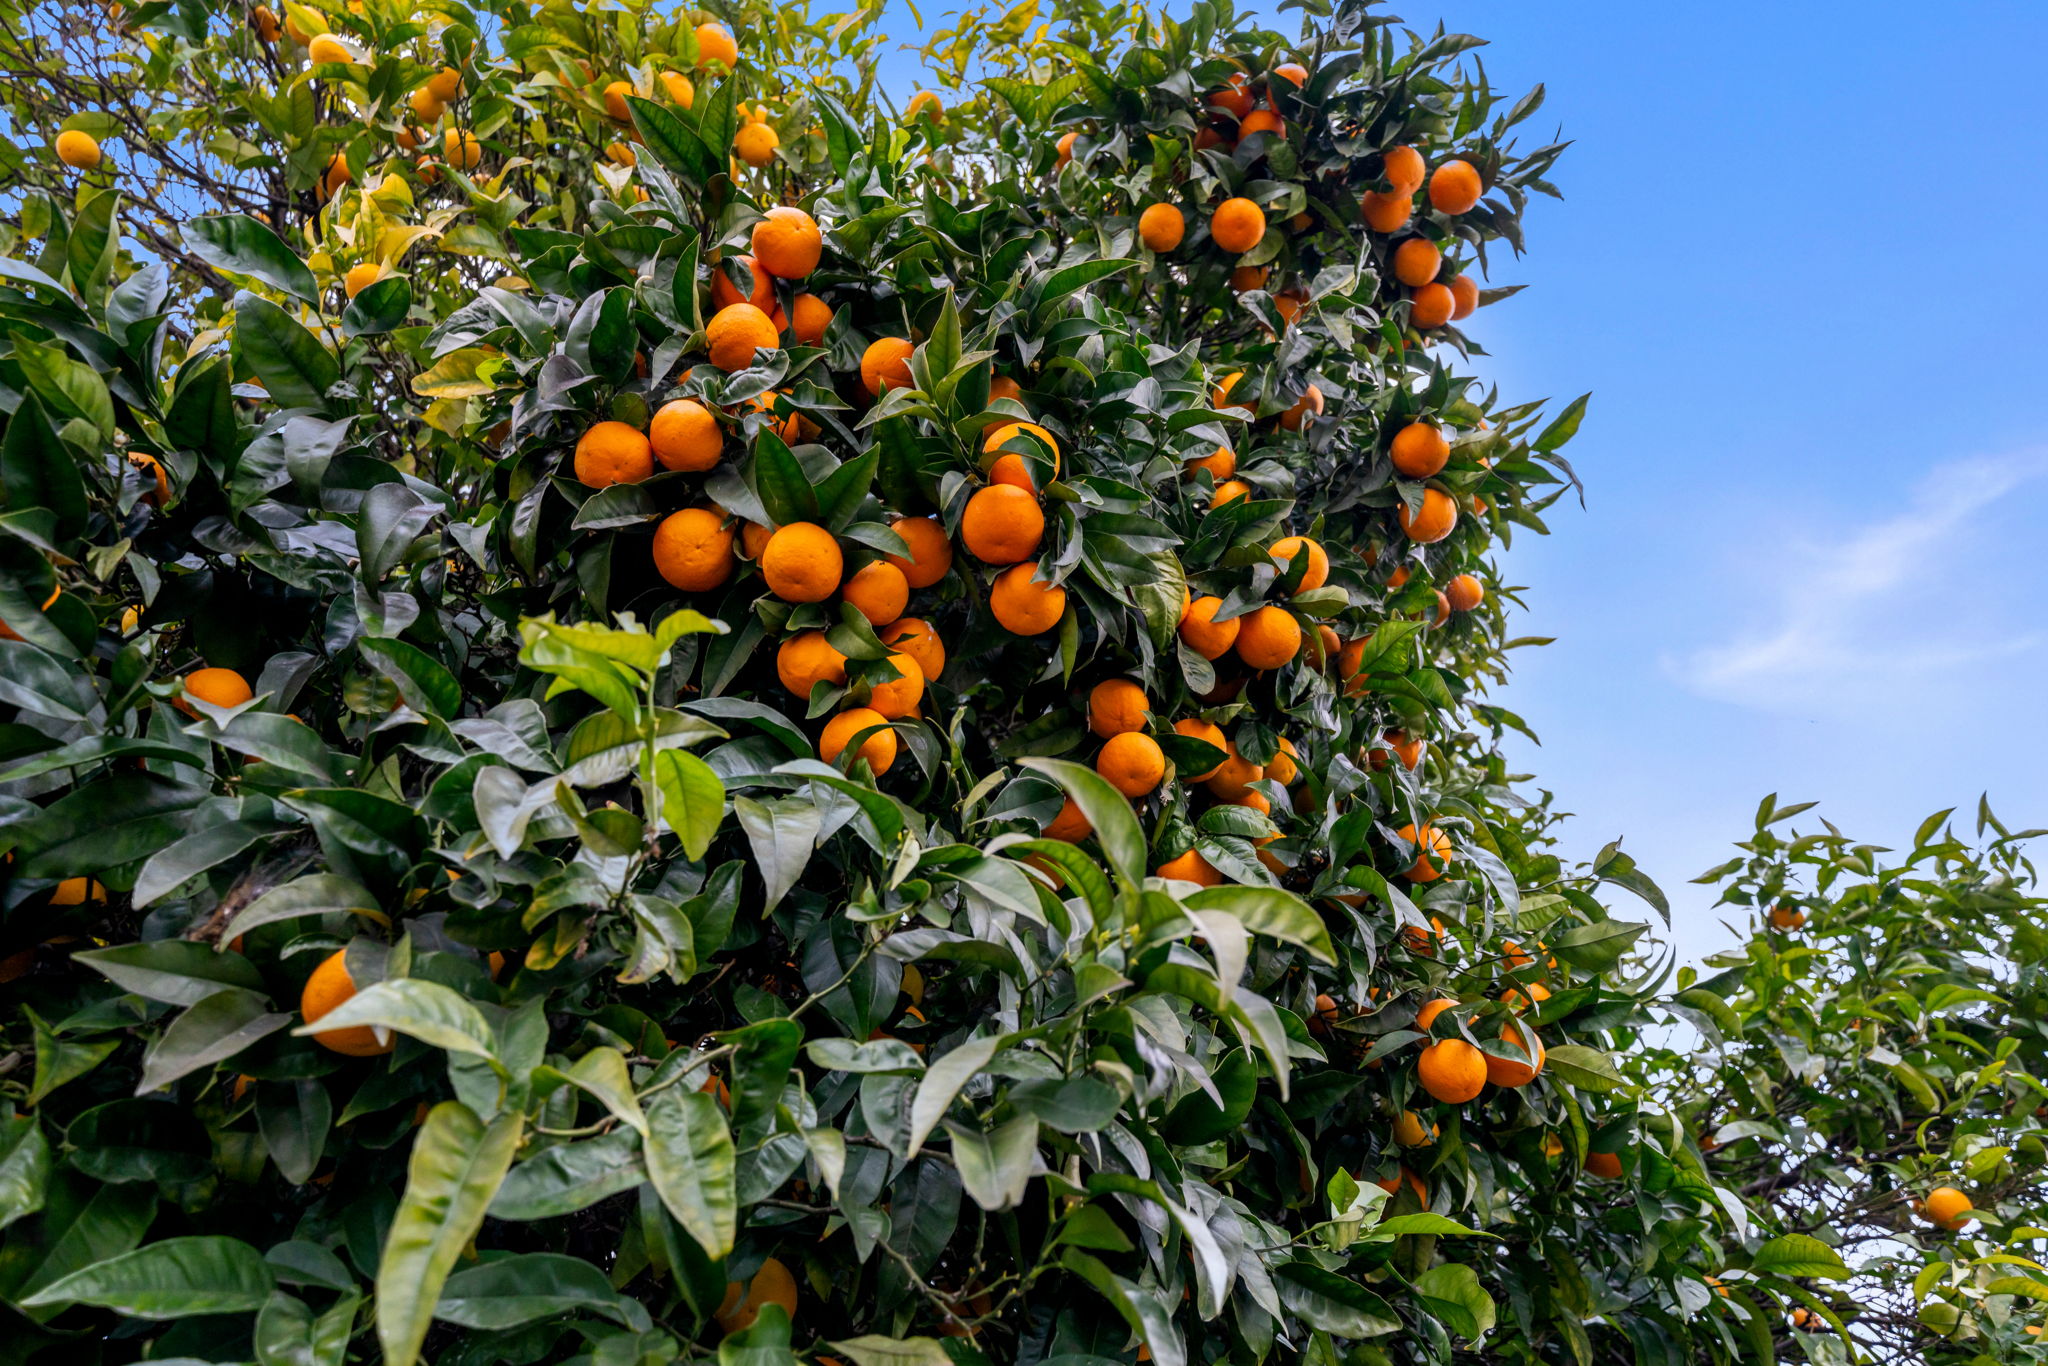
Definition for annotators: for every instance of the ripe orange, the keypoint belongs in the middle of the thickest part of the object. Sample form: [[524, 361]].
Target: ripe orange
[[1117, 706], [615, 100], [736, 332], [925, 103], [885, 365], [1387, 213], [1417, 261], [802, 563], [684, 436], [693, 550], [1161, 228], [916, 638], [1606, 1165], [1294, 73], [1464, 296], [1244, 279], [1282, 768], [1410, 1132], [1220, 396], [1512, 1072], [1132, 762], [1268, 637], [77, 891], [1426, 1016], [1519, 1000], [1392, 1184], [1408, 749], [1002, 386], [426, 105], [809, 316], [1309, 404], [445, 83], [1289, 548], [899, 697], [328, 987], [1009, 467], [1237, 225], [808, 659], [336, 175], [1232, 780], [787, 243], [220, 687], [1234, 99], [1002, 524], [1262, 121], [1023, 606], [1431, 306], [878, 591], [1454, 187], [1945, 1208], [1066, 149], [1350, 660], [1196, 729], [1464, 592], [1432, 852], [1190, 867], [1070, 825], [1452, 1071], [754, 539], [326, 48], [1419, 450], [1403, 167], [878, 749], [760, 289], [715, 47], [1221, 464], [772, 1284], [1229, 491], [619, 154], [360, 277], [264, 20], [1203, 634], [680, 88], [931, 554], [460, 149], [613, 453], [1436, 519]]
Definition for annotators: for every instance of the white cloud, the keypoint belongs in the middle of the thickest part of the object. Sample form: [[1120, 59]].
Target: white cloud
[[1880, 613]]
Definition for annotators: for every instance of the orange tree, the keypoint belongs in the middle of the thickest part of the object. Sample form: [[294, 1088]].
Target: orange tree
[[655, 708]]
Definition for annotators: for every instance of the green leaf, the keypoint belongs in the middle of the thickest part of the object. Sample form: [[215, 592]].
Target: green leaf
[[170, 1279], [1589, 1069], [875, 1350], [996, 1167], [466, 372], [177, 972], [1271, 912], [211, 1031], [602, 1073], [782, 831], [673, 142], [296, 370], [24, 1166], [37, 470], [71, 387], [525, 1288], [457, 1165], [942, 1082], [315, 894], [570, 1177], [423, 681], [435, 1015], [691, 1162], [1108, 811], [1453, 1294], [1333, 1303], [692, 799], [379, 309], [288, 1334], [1564, 427], [1796, 1254], [236, 242]]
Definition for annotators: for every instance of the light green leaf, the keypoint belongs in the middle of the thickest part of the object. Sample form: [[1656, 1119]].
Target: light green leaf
[[602, 1073], [170, 1279], [457, 1165], [690, 1160], [427, 1011], [1796, 1254]]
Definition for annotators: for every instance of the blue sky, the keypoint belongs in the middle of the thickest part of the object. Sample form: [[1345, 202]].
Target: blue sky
[[1798, 265]]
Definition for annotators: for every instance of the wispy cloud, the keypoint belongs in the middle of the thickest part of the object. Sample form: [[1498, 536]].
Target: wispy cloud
[[1881, 611]]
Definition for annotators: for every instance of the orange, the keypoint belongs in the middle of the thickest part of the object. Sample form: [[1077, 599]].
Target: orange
[[9, 633], [878, 591], [1464, 592], [1190, 867], [1002, 386], [1436, 519], [1196, 729], [1409, 1131], [326, 48], [1220, 396], [802, 563], [1070, 825], [1161, 227], [899, 697], [1229, 491], [885, 365], [1403, 168], [1244, 279], [446, 84], [1945, 1207], [1419, 450], [1432, 848], [328, 987], [1205, 635], [1309, 404], [1002, 524], [1326, 1014], [264, 21], [619, 154], [1009, 467], [360, 277], [77, 891], [917, 639], [1324, 645], [1221, 464], [1417, 261], [1518, 1001], [1262, 121], [1607, 1165], [1117, 706], [684, 436], [1294, 547], [1392, 1185], [613, 453], [736, 332], [1452, 1071], [931, 554], [754, 539], [772, 1284], [1426, 1016], [1268, 637], [1387, 213], [461, 150], [1294, 73], [715, 47], [806, 660], [1234, 99], [809, 316], [926, 103], [1023, 606], [336, 175], [220, 687], [1454, 187], [1787, 917], [760, 291], [1282, 768], [1513, 1072], [1066, 148], [1431, 306], [878, 749], [787, 243], [1132, 762], [1464, 296], [1398, 578], [1408, 749], [615, 100], [680, 88], [693, 550], [1232, 780], [1237, 225]]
